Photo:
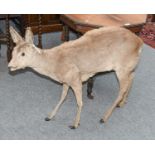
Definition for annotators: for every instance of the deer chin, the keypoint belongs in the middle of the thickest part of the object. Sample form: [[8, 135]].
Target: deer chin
[[16, 68]]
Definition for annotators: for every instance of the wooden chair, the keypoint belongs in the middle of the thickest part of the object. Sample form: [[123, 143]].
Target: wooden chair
[[81, 23], [41, 23]]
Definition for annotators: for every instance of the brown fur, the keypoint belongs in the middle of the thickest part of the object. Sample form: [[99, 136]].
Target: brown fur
[[104, 49]]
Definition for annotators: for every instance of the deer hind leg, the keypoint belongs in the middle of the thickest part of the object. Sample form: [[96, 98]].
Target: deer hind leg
[[77, 88], [63, 96], [127, 92], [124, 83]]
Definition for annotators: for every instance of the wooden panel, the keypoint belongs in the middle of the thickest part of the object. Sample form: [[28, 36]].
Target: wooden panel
[[32, 19], [47, 28]]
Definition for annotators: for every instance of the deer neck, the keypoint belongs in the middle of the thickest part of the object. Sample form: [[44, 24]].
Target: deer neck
[[44, 63]]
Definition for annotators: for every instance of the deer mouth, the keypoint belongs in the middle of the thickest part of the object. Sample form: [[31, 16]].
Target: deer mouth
[[13, 68]]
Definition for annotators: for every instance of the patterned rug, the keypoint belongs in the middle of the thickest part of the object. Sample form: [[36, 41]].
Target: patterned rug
[[148, 34]]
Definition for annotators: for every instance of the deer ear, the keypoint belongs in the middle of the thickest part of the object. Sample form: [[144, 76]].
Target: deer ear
[[29, 35], [15, 35]]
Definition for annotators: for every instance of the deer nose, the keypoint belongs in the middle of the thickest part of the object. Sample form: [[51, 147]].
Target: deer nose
[[11, 65]]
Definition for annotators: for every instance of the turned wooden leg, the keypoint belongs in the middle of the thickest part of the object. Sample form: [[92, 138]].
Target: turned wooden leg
[[21, 26], [65, 33], [90, 85], [39, 31], [78, 34], [8, 38], [0, 50], [0, 42]]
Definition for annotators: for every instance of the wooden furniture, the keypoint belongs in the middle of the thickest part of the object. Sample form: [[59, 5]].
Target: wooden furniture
[[41, 23], [85, 22], [81, 23], [5, 35]]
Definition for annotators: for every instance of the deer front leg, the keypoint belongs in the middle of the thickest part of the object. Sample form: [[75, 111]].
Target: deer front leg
[[77, 88], [63, 96]]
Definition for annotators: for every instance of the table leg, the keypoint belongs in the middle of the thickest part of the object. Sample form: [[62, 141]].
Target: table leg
[[0, 42], [8, 38], [39, 31], [65, 33], [90, 85]]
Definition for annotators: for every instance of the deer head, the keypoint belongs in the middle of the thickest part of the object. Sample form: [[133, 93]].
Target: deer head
[[24, 52]]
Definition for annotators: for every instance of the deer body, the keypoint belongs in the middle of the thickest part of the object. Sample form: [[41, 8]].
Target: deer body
[[100, 50]]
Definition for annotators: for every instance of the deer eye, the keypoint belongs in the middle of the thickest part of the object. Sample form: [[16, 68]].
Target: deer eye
[[23, 54]]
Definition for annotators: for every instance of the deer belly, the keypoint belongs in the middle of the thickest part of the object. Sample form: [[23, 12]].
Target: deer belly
[[85, 77]]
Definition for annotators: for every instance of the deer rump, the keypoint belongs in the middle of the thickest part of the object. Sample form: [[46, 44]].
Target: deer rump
[[100, 50]]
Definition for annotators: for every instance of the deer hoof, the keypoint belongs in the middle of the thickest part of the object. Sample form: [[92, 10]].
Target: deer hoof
[[90, 96], [72, 127], [119, 105], [102, 120], [47, 119]]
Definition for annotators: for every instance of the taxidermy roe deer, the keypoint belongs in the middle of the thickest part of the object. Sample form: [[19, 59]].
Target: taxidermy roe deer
[[104, 49]]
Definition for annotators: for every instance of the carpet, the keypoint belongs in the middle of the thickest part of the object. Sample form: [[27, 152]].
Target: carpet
[[26, 98]]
